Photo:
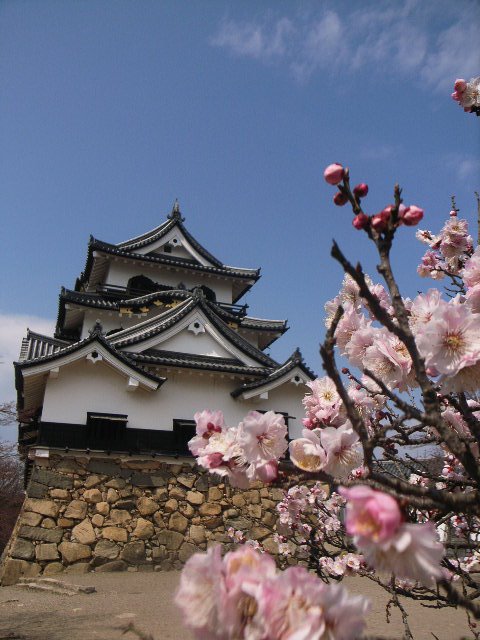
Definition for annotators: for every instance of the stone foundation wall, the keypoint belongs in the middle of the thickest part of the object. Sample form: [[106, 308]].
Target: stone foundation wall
[[91, 513]]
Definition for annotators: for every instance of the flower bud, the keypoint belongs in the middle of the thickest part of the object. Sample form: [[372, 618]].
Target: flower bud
[[379, 223], [361, 190], [340, 199], [361, 221], [460, 85], [334, 173], [453, 213], [411, 216], [456, 96]]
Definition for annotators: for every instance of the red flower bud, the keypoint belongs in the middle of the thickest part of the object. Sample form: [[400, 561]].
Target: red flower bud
[[334, 173], [361, 221], [361, 190], [340, 199], [411, 215], [453, 213], [378, 222]]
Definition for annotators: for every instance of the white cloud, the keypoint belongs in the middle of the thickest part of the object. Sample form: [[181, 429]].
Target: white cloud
[[456, 52], [434, 42], [12, 329], [254, 40], [464, 168]]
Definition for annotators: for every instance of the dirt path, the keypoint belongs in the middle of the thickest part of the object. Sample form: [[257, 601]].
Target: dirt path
[[146, 600]]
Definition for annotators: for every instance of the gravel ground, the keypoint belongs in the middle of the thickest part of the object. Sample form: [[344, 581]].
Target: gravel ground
[[146, 600]]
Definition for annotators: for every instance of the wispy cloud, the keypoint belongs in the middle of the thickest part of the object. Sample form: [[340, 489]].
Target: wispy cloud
[[12, 329], [429, 41], [464, 168]]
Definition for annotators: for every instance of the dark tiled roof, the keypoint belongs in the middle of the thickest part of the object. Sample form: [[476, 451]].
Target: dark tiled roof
[[161, 323], [295, 360], [167, 260], [94, 337], [174, 220], [193, 361], [36, 345], [90, 299], [404, 468]]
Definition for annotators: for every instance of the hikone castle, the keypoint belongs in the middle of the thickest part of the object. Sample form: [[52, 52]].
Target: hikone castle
[[153, 331]]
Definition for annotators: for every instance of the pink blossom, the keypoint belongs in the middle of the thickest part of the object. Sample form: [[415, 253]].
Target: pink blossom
[[451, 340], [454, 240], [413, 553], [431, 266], [350, 322], [473, 299], [471, 270], [244, 571], [263, 437], [460, 85], [465, 380], [200, 591], [224, 456], [343, 450], [410, 551], [268, 472], [307, 453], [389, 360], [357, 347], [371, 516], [334, 173], [426, 237], [207, 423], [323, 405], [331, 307], [423, 308], [298, 606], [470, 96]]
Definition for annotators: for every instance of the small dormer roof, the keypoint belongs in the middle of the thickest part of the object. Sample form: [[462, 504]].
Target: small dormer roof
[[280, 375]]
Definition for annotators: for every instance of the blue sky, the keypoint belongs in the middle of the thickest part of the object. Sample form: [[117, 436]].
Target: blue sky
[[111, 110]]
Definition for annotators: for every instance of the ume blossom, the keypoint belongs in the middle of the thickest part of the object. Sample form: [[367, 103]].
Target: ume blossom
[[410, 551]]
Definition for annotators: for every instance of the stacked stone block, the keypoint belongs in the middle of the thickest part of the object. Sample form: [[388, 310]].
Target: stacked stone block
[[91, 513]]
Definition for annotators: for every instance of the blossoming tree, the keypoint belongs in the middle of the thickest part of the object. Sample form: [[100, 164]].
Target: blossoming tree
[[407, 521]]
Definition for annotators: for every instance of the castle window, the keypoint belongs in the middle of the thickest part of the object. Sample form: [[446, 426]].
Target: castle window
[[183, 431], [104, 430]]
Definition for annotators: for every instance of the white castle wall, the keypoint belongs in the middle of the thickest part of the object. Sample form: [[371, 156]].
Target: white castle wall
[[82, 387]]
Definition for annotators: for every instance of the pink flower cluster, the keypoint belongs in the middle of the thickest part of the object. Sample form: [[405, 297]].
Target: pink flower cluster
[[333, 450], [449, 250], [248, 451], [244, 597], [467, 94], [389, 545]]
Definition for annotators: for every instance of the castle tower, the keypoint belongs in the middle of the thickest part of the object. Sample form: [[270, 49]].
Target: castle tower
[[152, 332]]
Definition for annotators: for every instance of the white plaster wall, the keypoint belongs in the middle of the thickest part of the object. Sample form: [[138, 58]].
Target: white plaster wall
[[187, 342], [120, 272], [82, 387]]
